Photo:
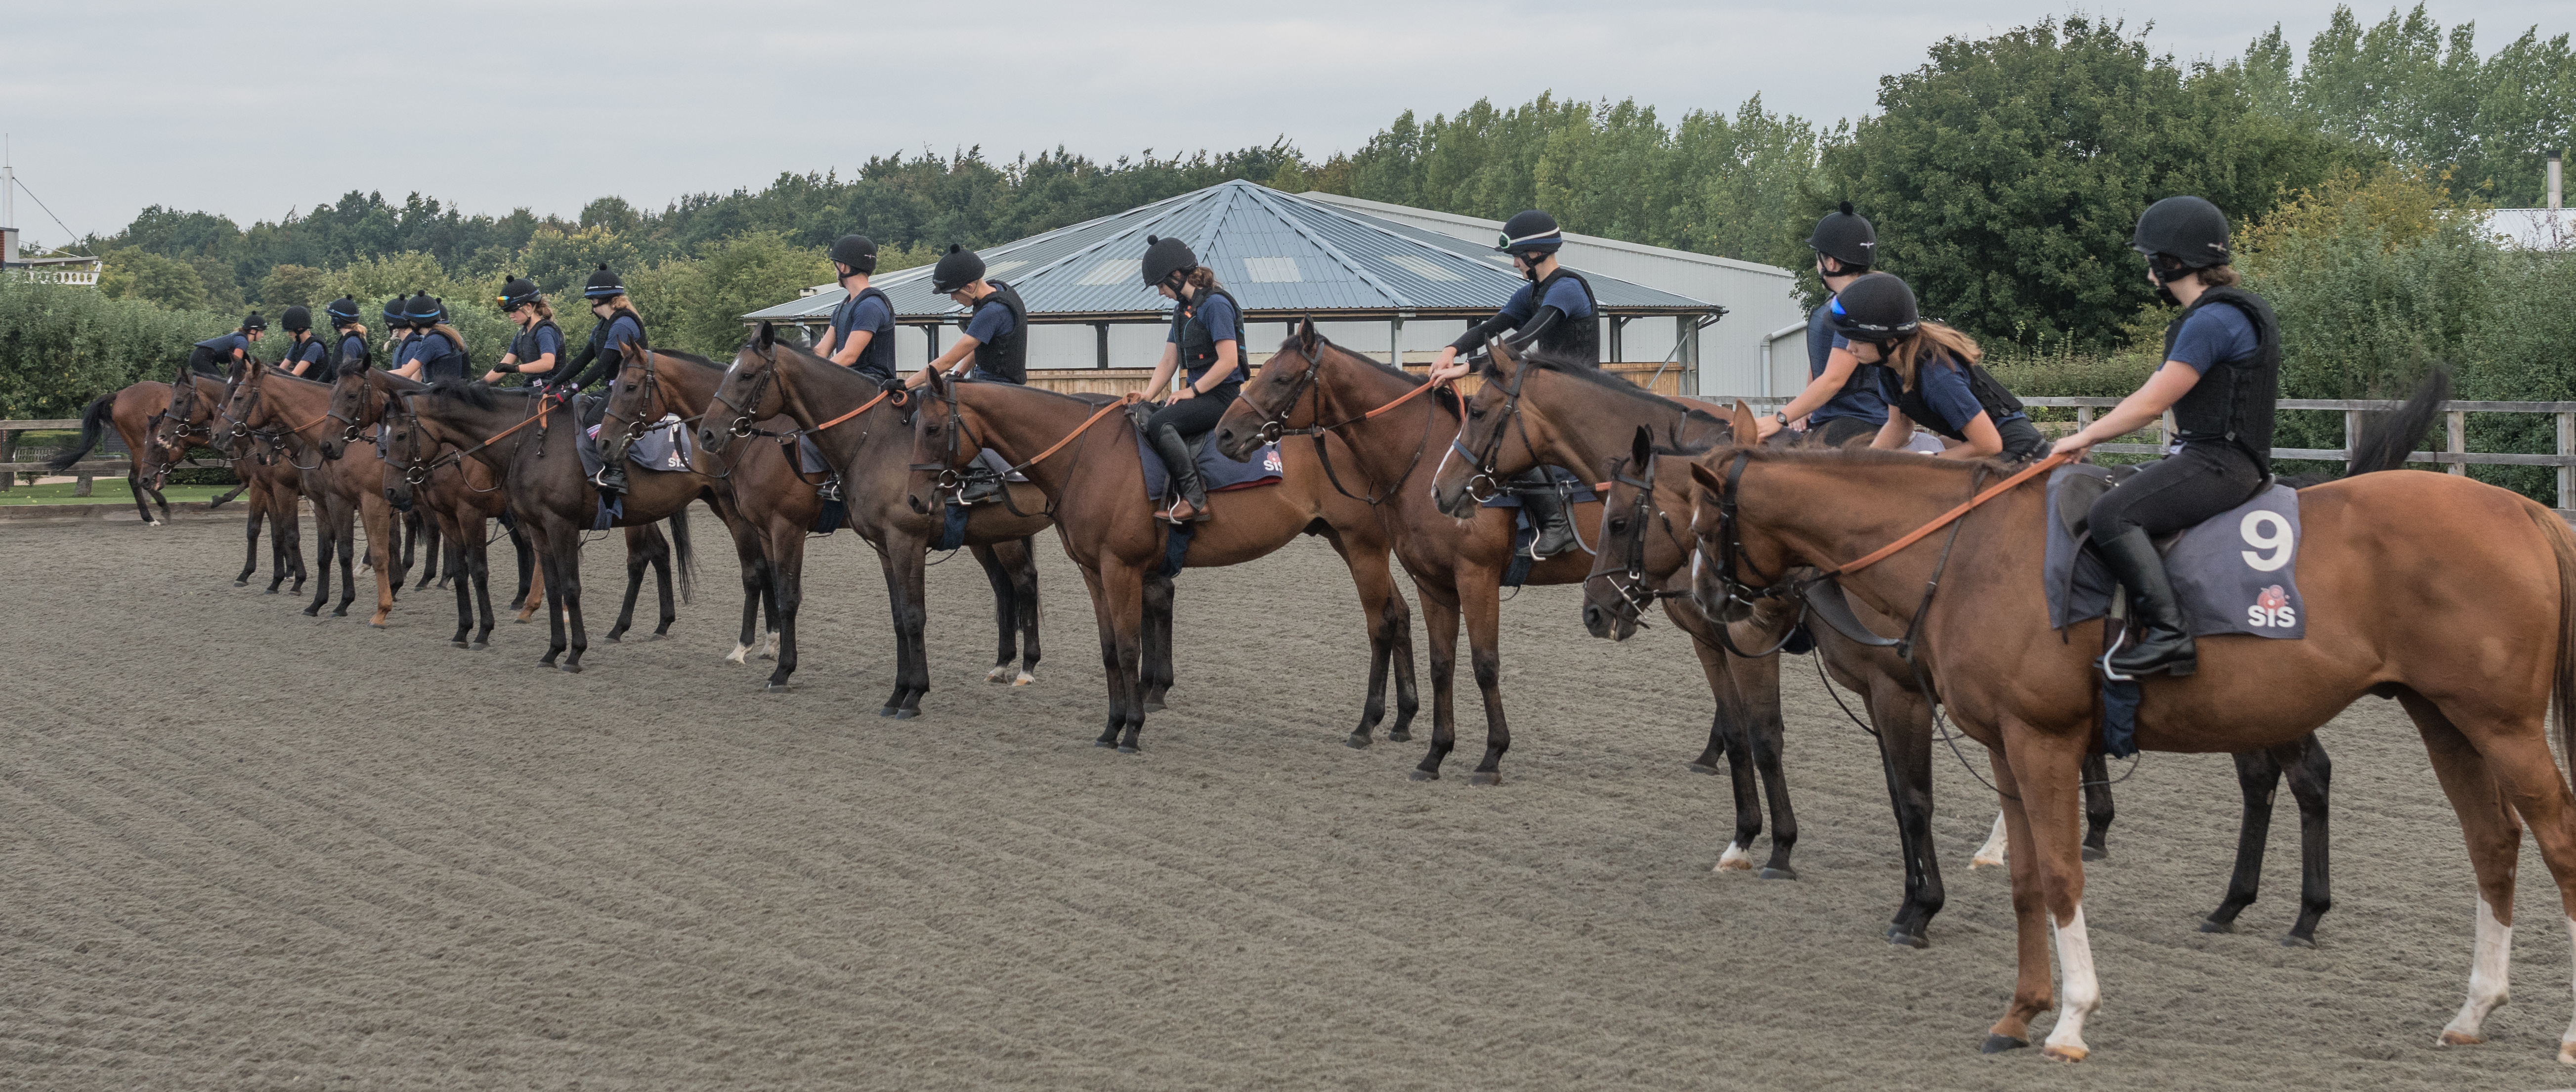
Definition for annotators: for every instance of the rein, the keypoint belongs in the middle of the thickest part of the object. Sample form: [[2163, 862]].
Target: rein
[[951, 479], [1275, 425]]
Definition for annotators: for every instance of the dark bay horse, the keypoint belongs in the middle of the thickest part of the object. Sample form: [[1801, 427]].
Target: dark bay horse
[[293, 415], [869, 442], [1456, 564], [529, 442], [272, 491], [2390, 560], [1094, 480]]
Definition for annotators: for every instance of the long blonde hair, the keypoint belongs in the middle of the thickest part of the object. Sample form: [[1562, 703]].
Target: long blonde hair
[[619, 302], [1904, 354]]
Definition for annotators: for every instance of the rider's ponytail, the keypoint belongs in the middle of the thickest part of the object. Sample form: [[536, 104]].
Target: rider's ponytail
[[1905, 354]]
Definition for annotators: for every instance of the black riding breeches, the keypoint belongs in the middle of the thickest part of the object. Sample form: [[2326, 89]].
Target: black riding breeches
[[204, 361], [2177, 491], [2022, 441], [1837, 431], [1198, 414]]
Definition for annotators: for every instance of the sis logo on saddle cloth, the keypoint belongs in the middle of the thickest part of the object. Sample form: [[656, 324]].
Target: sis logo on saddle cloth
[[2233, 572]]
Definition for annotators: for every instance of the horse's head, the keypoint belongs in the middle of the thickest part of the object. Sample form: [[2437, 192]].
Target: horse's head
[[1500, 437], [748, 394], [409, 449], [355, 404], [941, 449], [1733, 566], [1281, 396], [1645, 535], [635, 396]]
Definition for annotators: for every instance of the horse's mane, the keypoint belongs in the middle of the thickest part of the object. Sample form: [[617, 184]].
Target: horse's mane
[[1857, 455], [351, 366], [482, 396], [1390, 371], [1600, 377], [692, 358]]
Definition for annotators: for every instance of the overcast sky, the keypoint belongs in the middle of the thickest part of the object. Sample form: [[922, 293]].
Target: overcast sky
[[253, 108]]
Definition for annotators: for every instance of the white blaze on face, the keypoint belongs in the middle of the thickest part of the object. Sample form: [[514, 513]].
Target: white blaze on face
[[2488, 971], [2078, 993]]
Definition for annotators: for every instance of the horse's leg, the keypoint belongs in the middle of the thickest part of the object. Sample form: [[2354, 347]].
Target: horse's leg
[[453, 545], [2097, 805], [2258, 774], [2494, 836], [1481, 604], [438, 539], [134, 485], [251, 519], [2310, 775], [2031, 986], [2048, 768], [1993, 852], [1122, 591], [478, 561], [1396, 616], [568, 545], [325, 534], [379, 515], [1375, 585], [1440, 618], [1101, 613], [664, 555], [755, 592], [638, 556], [1006, 641], [786, 550], [527, 561], [1904, 722], [904, 573], [1154, 673], [286, 515], [551, 563], [1729, 738], [1758, 684]]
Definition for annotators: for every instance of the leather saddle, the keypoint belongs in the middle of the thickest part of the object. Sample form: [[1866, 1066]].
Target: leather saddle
[[2084, 483], [1142, 412]]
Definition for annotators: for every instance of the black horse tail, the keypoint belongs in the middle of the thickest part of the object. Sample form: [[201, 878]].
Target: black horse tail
[[2387, 438], [680, 551], [94, 423]]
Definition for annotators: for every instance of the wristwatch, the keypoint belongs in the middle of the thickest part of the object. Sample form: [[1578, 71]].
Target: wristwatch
[[1783, 418]]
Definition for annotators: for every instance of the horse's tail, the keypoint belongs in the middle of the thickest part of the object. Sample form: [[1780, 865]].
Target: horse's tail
[[680, 551], [94, 423], [2387, 438], [2562, 688]]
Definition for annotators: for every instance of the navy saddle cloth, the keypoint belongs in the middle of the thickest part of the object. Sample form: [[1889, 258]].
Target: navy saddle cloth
[[2233, 572], [665, 446], [1220, 473]]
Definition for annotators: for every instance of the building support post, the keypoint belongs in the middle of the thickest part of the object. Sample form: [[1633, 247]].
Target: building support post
[[1100, 332], [1395, 341], [1618, 340]]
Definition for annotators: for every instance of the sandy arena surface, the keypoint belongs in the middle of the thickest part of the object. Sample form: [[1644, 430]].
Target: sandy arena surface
[[246, 849]]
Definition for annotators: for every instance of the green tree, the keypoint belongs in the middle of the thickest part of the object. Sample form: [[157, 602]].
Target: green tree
[[132, 272], [62, 345], [290, 285]]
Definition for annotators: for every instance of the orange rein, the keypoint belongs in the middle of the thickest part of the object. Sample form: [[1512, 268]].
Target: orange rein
[[863, 408], [1946, 518], [1125, 400]]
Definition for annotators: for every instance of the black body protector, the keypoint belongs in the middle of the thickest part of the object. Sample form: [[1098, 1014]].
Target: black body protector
[[1198, 343], [1005, 358], [525, 349], [2232, 403], [878, 358], [1568, 336], [597, 366], [1998, 401]]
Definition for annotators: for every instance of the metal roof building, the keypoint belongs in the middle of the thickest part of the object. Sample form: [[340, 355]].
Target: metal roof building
[[1283, 257]]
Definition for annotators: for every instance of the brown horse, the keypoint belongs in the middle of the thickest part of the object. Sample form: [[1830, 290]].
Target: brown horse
[[529, 441], [273, 490], [2390, 559], [1094, 480], [134, 414], [294, 415], [868, 442], [1456, 564]]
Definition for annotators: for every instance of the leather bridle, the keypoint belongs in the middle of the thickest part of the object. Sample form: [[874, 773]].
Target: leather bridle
[[1274, 423]]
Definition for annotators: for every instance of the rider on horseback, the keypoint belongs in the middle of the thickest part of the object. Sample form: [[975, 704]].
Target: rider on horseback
[[215, 355], [438, 352], [862, 334], [1926, 373], [538, 346], [1206, 346], [2220, 377], [993, 349], [343, 313], [1838, 404], [398, 331], [304, 352], [1556, 311], [619, 327]]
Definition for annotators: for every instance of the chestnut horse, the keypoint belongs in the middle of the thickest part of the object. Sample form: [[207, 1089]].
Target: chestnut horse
[[273, 489], [2390, 564], [133, 413], [1094, 478], [293, 415], [1456, 564], [868, 441]]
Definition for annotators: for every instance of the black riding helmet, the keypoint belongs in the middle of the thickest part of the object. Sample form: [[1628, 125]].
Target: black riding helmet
[[298, 317], [1876, 308], [253, 322], [395, 318], [956, 269], [1165, 259], [519, 293], [423, 311], [856, 251], [343, 311], [2189, 230], [1847, 237], [603, 284]]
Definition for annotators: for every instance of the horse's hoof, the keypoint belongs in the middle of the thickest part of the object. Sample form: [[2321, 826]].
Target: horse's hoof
[[1421, 775], [2213, 925], [2459, 1038], [998, 675], [1154, 706], [659, 636], [1997, 1044], [1025, 679], [241, 583], [614, 639], [1782, 872], [520, 621], [2567, 1052], [478, 646], [906, 714], [375, 624], [2096, 853], [774, 687], [570, 669], [1897, 936], [1129, 749], [340, 613], [888, 711], [457, 644], [271, 591], [1702, 767], [1485, 777], [313, 612], [2294, 940], [2066, 1053], [1357, 741], [1104, 743], [1399, 736]]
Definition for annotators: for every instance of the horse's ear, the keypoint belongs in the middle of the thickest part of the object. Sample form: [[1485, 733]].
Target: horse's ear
[[768, 334], [1502, 357], [1306, 337], [1746, 431], [1641, 451], [1707, 478]]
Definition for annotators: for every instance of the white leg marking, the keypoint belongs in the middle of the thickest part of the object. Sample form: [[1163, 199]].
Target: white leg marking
[[2487, 973], [1735, 859], [769, 648], [2078, 994], [2567, 1042], [1991, 853], [739, 651], [999, 673], [1025, 679]]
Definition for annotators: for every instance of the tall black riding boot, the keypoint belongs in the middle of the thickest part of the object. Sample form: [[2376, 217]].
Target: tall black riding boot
[[1547, 513], [612, 463], [1184, 467], [2156, 639]]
